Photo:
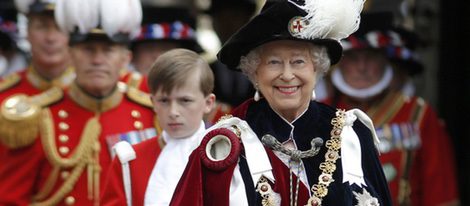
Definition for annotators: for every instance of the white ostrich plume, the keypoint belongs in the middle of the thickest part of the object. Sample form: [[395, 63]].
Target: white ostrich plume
[[77, 14], [122, 16], [332, 19], [113, 16]]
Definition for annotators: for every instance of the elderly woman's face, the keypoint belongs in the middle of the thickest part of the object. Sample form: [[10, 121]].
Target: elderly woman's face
[[286, 76]]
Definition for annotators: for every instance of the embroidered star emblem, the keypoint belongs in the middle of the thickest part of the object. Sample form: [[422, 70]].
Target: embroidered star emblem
[[365, 199]]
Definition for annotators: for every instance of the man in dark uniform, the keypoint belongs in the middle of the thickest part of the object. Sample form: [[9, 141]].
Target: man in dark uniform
[[63, 162]]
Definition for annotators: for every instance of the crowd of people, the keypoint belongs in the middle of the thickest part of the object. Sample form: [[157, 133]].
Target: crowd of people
[[114, 104]]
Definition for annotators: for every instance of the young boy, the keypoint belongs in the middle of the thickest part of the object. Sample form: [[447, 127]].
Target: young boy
[[181, 85]]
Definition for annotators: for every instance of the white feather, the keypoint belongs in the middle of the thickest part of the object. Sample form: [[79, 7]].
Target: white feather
[[81, 14], [121, 16], [333, 19], [23, 5]]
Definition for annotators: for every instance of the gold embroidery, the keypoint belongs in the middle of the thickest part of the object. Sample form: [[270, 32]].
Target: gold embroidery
[[9, 81], [41, 83], [92, 103], [139, 97]]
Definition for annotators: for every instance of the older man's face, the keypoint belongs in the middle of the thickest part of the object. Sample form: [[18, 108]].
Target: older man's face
[[97, 65], [362, 68]]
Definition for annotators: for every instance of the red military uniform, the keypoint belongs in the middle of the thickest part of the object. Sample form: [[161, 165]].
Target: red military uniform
[[29, 82], [416, 153], [134, 79], [141, 168], [64, 165]]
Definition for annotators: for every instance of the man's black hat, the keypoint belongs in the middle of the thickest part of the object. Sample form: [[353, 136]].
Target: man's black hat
[[378, 31], [170, 24]]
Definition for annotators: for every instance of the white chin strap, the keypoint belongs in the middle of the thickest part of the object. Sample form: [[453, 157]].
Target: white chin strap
[[342, 86]]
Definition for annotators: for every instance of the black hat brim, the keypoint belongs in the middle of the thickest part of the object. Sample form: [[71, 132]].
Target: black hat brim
[[98, 35]]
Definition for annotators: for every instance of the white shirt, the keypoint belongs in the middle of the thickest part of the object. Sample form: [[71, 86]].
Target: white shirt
[[170, 166]]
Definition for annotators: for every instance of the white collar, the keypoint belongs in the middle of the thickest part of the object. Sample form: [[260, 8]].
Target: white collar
[[338, 81]]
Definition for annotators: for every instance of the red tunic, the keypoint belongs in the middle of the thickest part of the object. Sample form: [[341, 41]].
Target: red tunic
[[409, 129], [135, 79], [141, 169], [30, 83], [25, 172]]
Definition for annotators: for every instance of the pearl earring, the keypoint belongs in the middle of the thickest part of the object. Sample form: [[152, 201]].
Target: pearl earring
[[314, 96], [256, 97]]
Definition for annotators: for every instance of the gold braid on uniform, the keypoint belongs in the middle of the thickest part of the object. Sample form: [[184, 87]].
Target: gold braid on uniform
[[139, 97], [20, 114], [84, 155], [9, 81], [49, 185]]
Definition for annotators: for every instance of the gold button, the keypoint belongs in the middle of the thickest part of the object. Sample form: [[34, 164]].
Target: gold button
[[63, 138], [64, 150], [63, 126], [138, 125], [63, 114], [69, 200], [64, 174], [135, 114]]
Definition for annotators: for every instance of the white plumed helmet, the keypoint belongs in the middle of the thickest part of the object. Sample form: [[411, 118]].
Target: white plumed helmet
[[115, 20]]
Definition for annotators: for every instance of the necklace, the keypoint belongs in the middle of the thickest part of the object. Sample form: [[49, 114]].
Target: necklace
[[319, 190]]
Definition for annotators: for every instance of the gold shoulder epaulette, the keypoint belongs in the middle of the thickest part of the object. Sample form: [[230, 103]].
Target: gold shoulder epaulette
[[139, 97], [20, 116], [134, 80], [9, 81]]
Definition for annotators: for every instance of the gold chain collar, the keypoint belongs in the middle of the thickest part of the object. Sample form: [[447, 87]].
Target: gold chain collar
[[320, 190]]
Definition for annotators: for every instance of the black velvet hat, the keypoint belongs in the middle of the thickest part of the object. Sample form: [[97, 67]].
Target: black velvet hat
[[290, 20], [248, 5], [170, 24]]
